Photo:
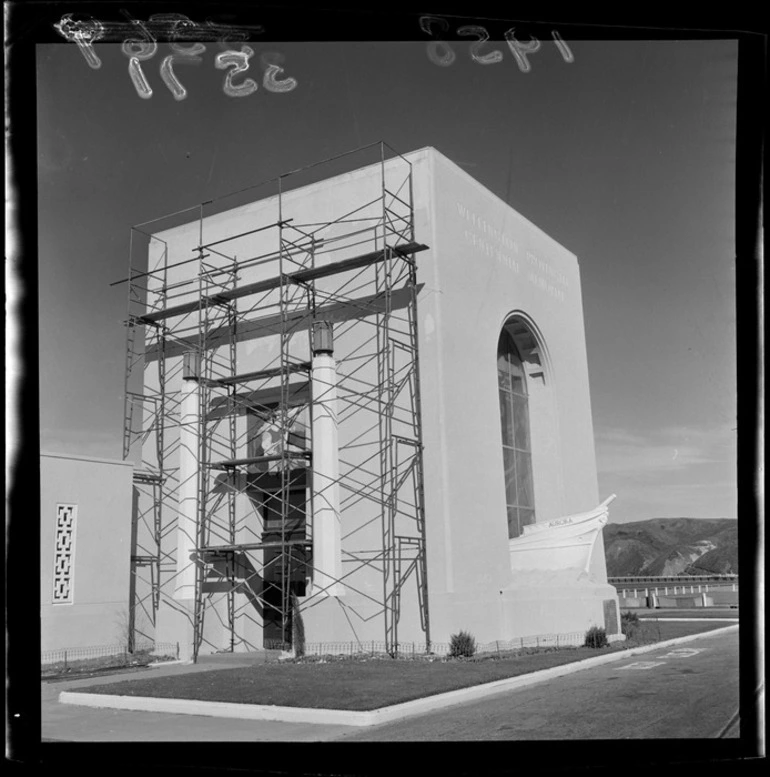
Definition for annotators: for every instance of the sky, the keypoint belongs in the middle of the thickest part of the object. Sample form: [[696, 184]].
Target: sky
[[624, 155]]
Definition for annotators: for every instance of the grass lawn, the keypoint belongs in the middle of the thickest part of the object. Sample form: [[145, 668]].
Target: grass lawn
[[366, 683], [697, 612]]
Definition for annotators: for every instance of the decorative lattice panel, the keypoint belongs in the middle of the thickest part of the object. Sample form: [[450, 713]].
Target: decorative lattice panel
[[64, 554]]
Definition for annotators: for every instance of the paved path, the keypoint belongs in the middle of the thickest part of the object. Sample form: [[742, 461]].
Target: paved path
[[670, 692], [687, 691]]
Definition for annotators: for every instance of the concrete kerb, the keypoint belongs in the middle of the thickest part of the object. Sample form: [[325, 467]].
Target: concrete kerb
[[361, 717], [177, 662], [690, 620]]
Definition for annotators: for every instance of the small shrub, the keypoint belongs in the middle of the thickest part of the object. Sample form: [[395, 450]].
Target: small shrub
[[462, 645], [629, 623], [596, 638], [297, 627]]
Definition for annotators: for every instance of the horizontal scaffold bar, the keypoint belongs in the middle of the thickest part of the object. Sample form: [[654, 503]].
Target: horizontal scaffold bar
[[301, 276], [272, 372], [147, 477], [273, 324], [253, 546], [244, 234], [227, 463]]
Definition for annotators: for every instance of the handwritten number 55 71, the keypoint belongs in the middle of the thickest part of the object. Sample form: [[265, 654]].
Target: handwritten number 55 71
[[137, 52], [143, 47]]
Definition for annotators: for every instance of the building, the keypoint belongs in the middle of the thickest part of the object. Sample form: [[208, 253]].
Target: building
[[359, 405], [85, 551]]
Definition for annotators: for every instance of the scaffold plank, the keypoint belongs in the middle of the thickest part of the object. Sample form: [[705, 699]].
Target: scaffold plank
[[300, 276], [273, 324], [147, 477], [273, 372], [344, 265], [258, 459], [253, 546]]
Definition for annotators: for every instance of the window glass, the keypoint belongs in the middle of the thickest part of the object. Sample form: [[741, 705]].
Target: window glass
[[509, 458], [520, 422], [517, 444], [503, 375], [526, 517], [506, 418], [513, 522], [524, 479]]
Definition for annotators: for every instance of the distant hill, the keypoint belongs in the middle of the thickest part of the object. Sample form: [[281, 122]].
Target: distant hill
[[672, 546]]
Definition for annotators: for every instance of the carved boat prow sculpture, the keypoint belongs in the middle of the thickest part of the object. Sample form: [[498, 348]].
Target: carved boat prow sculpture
[[563, 543]]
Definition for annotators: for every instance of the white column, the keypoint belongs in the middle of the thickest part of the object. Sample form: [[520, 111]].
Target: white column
[[327, 561], [187, 522]]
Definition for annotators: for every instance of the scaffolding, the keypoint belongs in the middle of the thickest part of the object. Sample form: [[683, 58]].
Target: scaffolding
[[238, 325]]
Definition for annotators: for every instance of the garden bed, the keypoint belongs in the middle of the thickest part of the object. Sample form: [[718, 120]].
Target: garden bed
[[100, 664], [366, 682]]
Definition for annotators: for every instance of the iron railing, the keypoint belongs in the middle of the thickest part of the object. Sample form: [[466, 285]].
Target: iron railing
[[408, 649], [119, 652]]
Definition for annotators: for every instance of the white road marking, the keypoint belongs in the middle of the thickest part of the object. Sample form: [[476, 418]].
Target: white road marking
[[683, 653], [677, 653], [643, 665]]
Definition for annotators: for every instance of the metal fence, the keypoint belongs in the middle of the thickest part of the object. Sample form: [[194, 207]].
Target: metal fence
[[415, 649], [121, 653]]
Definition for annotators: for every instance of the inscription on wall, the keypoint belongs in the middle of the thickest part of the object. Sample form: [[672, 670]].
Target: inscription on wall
[[497, 245]]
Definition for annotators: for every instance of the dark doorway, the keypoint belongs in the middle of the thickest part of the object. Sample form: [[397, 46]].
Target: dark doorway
[[286, 558]]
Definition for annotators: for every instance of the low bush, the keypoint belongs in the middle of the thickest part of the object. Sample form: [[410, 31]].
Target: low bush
[[462, 645], [596, 638], [629, 623], [297, 627]]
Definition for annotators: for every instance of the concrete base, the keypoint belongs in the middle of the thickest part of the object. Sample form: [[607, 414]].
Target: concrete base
[[545, 602], [535, 602], [563, 601], [175, 624], [351, 618]]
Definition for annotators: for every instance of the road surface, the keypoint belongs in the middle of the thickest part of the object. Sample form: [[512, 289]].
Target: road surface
[[687, 691]]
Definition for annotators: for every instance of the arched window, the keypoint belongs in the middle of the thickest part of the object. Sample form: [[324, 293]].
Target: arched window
[[517, 445]]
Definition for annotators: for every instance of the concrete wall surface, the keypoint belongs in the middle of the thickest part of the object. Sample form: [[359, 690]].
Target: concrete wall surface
[[98, 550], [486, 266]]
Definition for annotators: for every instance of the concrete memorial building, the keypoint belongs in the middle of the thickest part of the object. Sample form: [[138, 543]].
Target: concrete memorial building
[[358, 407]]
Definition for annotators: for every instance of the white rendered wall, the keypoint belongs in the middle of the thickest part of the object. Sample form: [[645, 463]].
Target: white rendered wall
[[486, 264], [101, 489]]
